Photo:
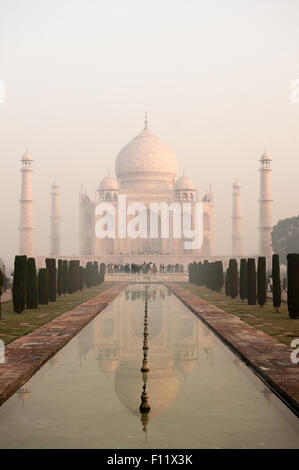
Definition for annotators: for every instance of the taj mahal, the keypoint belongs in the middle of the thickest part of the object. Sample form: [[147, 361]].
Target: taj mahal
[[146, 171]]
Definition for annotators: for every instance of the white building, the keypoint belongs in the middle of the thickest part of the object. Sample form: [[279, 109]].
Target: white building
[[146, 172]]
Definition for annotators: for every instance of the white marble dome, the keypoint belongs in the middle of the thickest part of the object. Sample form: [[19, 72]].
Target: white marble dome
[[146, 160], [108, 183], [184, 182]]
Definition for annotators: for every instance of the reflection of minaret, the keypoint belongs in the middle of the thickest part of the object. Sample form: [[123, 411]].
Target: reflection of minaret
[[55, 219], [26, 216], [265, 201], [144, 406], [236, 220]]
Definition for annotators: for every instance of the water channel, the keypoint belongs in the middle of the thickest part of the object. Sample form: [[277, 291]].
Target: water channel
[[199, 393]]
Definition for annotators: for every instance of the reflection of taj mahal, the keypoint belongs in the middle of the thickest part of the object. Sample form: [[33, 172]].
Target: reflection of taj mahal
[[175, 339], [146, 172]]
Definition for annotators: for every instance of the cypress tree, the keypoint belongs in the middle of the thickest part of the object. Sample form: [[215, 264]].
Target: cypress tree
[[276, 282], [19, 283], [293, 284], [205, 273], [227, 285], [51, 265], [43, 286], [251, 282], [89, 273], [243, 279], [72, 276], [200, 273], [77, 275], [31, 294], [233, 278], [214, 276], [219, 276], [2, 278], [95, 273], [102, 272], [82, 277], [261, 281], [190, 272], [65, 276], [60, 277]]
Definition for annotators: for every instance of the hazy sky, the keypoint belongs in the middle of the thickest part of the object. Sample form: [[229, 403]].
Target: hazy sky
[[214, 75]]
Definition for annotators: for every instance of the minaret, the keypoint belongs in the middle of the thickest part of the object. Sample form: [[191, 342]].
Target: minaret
[[55, 219], [26, 205], [236, 220], [265, 202]]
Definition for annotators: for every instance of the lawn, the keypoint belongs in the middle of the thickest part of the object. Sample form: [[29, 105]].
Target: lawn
[[278, 325], [13, 325]]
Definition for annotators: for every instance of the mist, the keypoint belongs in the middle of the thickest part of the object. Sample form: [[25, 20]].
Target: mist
[[214, 76]]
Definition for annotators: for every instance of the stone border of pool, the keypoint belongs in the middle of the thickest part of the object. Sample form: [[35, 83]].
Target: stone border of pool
[[265, 356], [25, 355]]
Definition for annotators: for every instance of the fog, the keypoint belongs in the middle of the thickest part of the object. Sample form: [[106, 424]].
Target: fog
[[214, 76]]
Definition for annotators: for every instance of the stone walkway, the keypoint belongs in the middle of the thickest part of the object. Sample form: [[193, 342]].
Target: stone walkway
[[266, 356], [25, 355]]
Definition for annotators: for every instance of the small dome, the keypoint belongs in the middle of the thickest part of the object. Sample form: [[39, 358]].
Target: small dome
[[108, 183], [236, 183], [184, 182]]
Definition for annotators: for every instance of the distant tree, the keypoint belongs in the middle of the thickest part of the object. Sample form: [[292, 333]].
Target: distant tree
[[31, 295], [43, 286], [251, 281], [65, 276], [51, 265], [77, 275], [243, 279], [293, 284], [205, 273], [102, 272], [2, 278], [89, 274], [276, 282], [200, 273], [219, 276], [190, 272], [19, 283], [227, 282], [261, 281], [72, 276], [60, 277], [95, 273], [233, 278], [285, 237], [82, 277]]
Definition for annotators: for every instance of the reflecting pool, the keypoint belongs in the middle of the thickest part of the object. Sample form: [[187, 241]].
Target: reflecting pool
[[200, 394]]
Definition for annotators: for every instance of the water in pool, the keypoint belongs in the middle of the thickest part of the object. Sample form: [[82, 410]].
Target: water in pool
[[201, 395]]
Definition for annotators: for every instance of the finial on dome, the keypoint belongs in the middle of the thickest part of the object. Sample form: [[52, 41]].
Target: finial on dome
[[145, 120]]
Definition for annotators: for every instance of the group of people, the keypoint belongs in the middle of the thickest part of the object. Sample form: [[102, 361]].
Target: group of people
[[270, 284], [144, 268]]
